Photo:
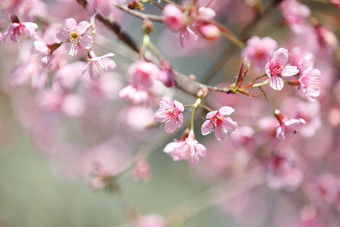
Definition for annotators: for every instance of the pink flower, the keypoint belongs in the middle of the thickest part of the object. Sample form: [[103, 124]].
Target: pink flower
[[170, 112], [45, 53], [98, 65], [310, 83], [73, 36], [189, 149], [295, 15], [219, 123], [136, 94], [166, 75], [276, 67], [302, 60], [102, 6], [287, 127], [173, 17], [68, 76], [258, 51], [20, 31], [282, 172], [142, 74], [324, 189]]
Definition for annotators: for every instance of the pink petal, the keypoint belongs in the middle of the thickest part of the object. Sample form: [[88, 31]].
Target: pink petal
[[31, 27], [226, 110], [161, 116], [211, 114], [70, 24], [94, 73], [179, 120], [83, 26], [280, 57], [166, 103], [280, 132], [179, 106], [71, 48], [40, 46], [194, 160], [201, 150], [86, 42], [230, 125], [171, 126], [207, 127], [276, 83], [220, 133], [62, 35], [289, 71], [110, 64], [170, 147]]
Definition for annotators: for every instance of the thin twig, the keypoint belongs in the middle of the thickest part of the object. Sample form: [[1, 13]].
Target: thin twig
[[139, 14]]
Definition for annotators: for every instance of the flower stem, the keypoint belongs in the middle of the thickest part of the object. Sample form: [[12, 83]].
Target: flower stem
[[197, 103], [267, 98], [205, 107]]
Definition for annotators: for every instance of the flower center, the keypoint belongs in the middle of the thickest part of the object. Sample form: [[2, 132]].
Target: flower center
[[276, 69]]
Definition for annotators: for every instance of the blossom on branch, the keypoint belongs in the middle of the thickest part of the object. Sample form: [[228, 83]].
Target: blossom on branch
[[277, 67], [170, 112], [187, 149], [219, 123], [258, 50], [74, 36], [288, 127], [310, 83], [96, 66], [20, 31]]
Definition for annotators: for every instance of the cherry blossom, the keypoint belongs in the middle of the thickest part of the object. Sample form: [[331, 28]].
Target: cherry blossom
[[277, 67], [137, 95], [295, 15], [74, 36], [174, 18], [283, 173], [189, 149], [143, 73], [170, 112], [219, 123], [96, 66], [310, 83], [259, 50], [45, 53], [21, 31], [287, 127]]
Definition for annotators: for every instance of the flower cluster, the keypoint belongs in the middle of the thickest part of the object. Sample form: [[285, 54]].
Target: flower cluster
[[191, 21]]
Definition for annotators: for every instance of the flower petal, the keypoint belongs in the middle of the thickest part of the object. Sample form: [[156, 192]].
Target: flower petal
[[226, 110], [70, 24], [86, 42], [289, 71], [280, 56], [207, 127], [83, 26], [276, 83]]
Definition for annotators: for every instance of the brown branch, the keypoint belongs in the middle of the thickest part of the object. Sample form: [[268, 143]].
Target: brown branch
[[182, 82], [139, 14], [122, 36]]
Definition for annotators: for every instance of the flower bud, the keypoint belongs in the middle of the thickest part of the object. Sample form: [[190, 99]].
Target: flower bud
[[147, 26], [209, 31]]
